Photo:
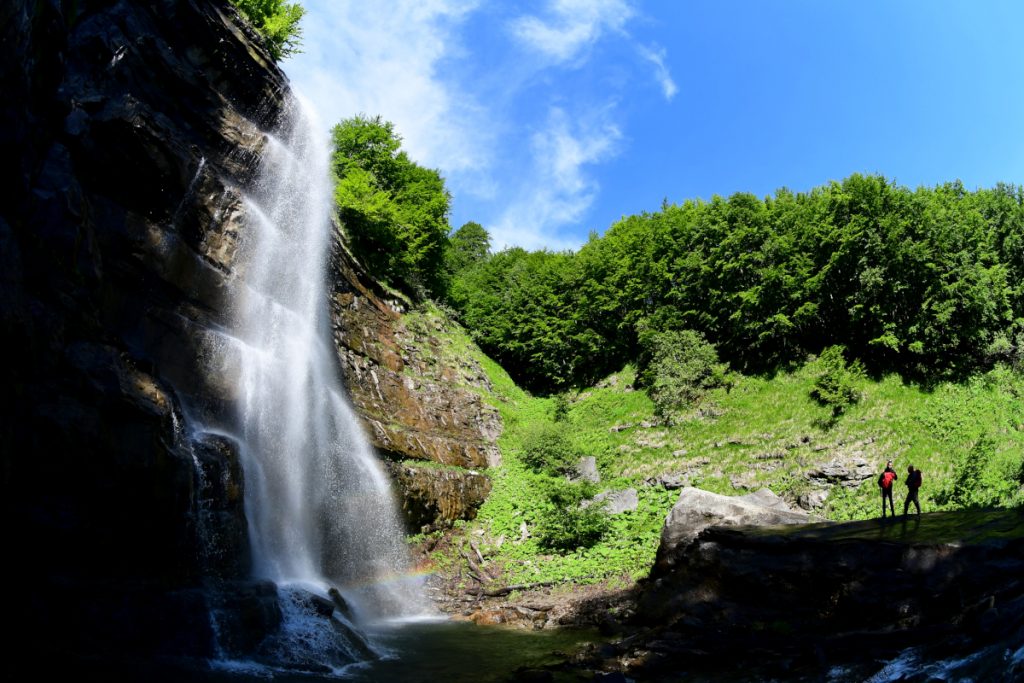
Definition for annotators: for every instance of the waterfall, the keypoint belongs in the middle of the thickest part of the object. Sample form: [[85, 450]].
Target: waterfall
[[320, 509]]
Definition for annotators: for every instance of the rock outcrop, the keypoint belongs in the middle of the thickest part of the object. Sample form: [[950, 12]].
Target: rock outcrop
[[435, 497], [418, 396], [935, 597], [419, 399], [127, 131]]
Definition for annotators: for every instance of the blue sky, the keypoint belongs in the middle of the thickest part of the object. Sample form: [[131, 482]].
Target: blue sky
[[552, 119]]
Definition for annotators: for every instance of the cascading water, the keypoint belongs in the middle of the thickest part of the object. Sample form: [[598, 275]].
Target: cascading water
[[320, 509]]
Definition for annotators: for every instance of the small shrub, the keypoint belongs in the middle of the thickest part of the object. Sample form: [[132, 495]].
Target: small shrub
[[277, 21], [564, 525], [677, 368], [561, 409], [981, 479], [836, 385], [548, 449]]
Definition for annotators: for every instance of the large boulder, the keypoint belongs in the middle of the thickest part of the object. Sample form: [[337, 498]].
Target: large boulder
[[696, 510]]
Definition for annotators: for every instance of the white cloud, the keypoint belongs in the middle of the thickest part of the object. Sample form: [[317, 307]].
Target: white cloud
[[656, 55], [415, 63], [558, 191], [384, 58], [571, 27]]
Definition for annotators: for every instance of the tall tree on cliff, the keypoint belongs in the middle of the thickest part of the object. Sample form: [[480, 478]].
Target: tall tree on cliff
[[394, 210]]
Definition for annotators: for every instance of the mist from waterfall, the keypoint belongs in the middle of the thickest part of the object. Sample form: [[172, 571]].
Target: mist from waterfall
[[320, 508]]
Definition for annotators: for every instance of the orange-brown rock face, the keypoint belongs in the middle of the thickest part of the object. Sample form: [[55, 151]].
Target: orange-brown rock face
[[418, 398]]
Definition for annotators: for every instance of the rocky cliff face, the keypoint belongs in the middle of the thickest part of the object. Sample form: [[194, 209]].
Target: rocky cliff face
[[419, 398], [127, 131]]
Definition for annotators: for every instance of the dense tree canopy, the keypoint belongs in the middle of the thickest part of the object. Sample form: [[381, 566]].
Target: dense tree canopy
[[926, 282], [467, 246], [394, 210]]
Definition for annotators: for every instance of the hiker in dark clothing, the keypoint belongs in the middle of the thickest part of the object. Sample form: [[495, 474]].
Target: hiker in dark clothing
[[913, 484], [885, 481]]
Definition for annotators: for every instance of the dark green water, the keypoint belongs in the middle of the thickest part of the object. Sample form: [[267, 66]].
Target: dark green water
[[451, 652], [438, 652]]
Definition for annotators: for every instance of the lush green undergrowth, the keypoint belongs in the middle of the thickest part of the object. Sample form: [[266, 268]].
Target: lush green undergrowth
[[967, 438]]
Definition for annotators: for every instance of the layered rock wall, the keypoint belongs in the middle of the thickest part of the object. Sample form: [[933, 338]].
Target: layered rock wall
[[127, 131], [421, 399]]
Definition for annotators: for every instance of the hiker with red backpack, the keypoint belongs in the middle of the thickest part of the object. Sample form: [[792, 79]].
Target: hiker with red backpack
[[885, 482], [913, 484]]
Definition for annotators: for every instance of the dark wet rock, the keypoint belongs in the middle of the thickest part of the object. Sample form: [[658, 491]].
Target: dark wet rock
[[435, 497], [127, 131], [245, 613], [942, 593]]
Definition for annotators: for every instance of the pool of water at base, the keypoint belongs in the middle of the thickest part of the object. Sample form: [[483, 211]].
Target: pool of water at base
[[435, 651]]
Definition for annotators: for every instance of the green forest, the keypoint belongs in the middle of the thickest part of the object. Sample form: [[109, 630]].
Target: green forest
[[927, 283]]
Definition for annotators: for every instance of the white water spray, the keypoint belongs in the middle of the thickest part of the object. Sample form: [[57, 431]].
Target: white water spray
[[320, 509]]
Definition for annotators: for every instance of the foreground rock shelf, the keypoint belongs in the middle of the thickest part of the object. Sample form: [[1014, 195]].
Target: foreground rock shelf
[[836, 601]]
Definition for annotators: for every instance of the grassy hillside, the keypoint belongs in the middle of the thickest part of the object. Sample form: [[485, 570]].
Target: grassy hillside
[[760, 432]]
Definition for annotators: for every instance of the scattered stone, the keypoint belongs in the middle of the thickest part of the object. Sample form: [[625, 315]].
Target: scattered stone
[[849, 473], [775, 455], [621, 428], [680, 453], [813, 500], [745, 480], [616, 502], [655, 440], [586, 470], [671, 481]]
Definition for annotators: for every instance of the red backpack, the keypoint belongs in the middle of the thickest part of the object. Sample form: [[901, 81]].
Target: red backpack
[[886, 479]]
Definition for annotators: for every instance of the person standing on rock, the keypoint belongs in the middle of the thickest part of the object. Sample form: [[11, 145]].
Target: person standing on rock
[[913, 484], [885, 482]]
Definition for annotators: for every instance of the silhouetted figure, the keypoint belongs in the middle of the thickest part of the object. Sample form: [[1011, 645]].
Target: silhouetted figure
[[913, 484], [885, 482]]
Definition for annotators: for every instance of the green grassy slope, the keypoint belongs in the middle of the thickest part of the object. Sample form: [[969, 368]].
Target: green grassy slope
[[762, 432]]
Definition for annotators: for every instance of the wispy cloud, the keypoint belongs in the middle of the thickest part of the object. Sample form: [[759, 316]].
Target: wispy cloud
[[518, 155], [656, 56], [385, 58], [558, 191], [571, 26]]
